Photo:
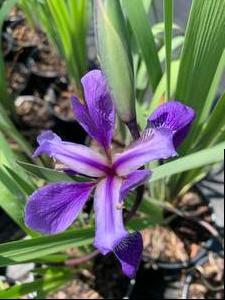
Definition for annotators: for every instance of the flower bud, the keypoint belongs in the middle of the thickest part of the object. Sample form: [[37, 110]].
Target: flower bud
[[115, 56]]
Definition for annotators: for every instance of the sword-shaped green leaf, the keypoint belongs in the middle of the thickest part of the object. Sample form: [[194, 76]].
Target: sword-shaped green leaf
[[203, 47], [192, 161], [143, 34]]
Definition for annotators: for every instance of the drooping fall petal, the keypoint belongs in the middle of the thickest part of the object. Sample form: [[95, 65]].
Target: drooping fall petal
[[153, 144], [53, 208], [175, 117], [108, 214], [129, 252], [78, 158], [97, 115]]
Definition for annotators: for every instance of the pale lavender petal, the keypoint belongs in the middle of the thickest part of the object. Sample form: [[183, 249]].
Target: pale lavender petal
[[97, 116], [129, 252], [108, 214], [133, 180], [154, 144], [78, 158], [53, 208], [174, 116]]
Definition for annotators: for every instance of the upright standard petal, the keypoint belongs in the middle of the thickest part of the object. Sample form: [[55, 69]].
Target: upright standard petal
[[76, 157], [53, 208], [133, 180], [129, 251], [108, 214], [97, 116], [154, 144], [174, 116]]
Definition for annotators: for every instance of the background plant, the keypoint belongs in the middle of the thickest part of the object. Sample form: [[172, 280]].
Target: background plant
[[66, 25]]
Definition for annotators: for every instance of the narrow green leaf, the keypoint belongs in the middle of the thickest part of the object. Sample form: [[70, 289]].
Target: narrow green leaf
[[12, 205], [141, 27], [168, 19], [214, 126], [49, 175], [79, 12], [6, 154], [204, 114], [25, 185], [176, 43], [10, 130], [11, 185], [44, 285], [213, 89], [221, 137], [199, 159], [27, 250], [8, 161], [203, 47], [154, 212], [30, 250], [159, 28], [187, 180], [147, 4], [141, 115], [159, 95]]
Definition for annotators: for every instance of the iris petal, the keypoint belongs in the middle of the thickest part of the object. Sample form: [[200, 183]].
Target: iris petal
[[174, 116], [53, 208], [97, 116], [153, 144], [133, 180], [78, 158], [108, 214], [129, 252]]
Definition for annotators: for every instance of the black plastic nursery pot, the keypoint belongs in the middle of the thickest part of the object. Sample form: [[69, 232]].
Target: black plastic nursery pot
[[13, 20], [7, 44], [16, 51], [43, 62], [164, 280], [150, 282], [8, 229], [69, 130], [40, 79], [18, 77]]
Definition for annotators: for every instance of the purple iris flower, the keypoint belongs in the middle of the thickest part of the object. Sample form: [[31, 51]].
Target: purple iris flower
[[53, 208]]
